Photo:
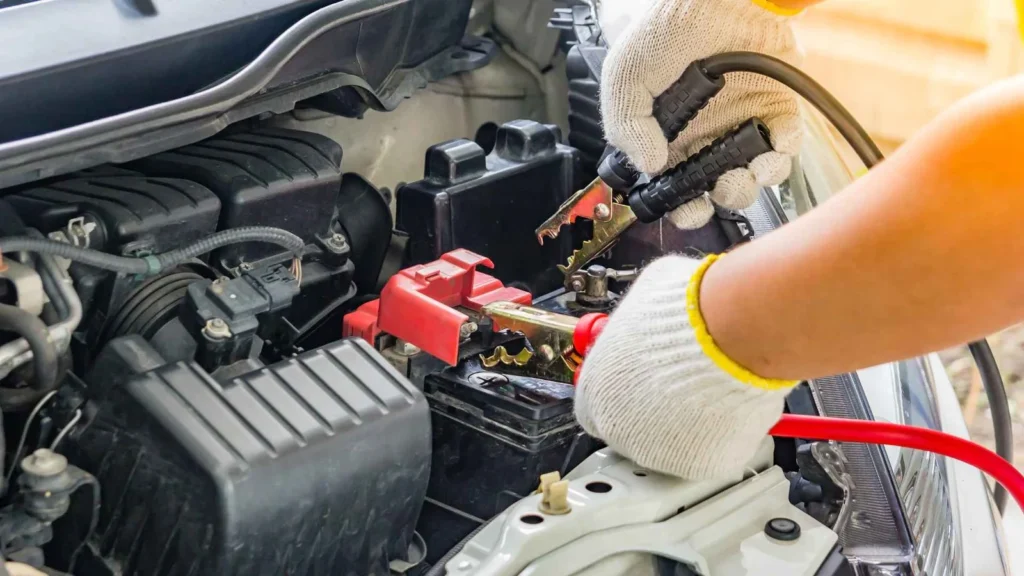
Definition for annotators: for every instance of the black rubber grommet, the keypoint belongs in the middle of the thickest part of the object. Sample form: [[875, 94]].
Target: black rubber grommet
[[782, 529]]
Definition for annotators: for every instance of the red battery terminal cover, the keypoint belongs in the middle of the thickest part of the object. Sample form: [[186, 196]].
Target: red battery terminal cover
[[419, 304]]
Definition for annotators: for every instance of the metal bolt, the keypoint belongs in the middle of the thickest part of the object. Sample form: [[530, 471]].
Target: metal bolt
[[403, 348], [44, 462], [602, 212], [245, 267], [217, 329], [338, 242], [467, 328], [487, 379], [577, 283], [547, 353]]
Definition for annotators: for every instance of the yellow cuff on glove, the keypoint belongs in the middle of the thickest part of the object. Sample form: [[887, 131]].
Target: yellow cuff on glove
[[775, 9], [707, 343]]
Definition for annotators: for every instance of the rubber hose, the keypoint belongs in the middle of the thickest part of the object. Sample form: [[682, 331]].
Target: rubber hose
[[48, 271], [154, 264], [870, 155], [999, 405], [44, 354], [60, 308], [19, 399], [438, 568]]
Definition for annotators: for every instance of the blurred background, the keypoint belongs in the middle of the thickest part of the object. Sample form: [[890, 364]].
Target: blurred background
[[896, 64]]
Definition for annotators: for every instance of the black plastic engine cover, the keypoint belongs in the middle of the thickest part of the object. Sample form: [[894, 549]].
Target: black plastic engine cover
[[314, 466], [269, 177], [133, 213], [491, 204]]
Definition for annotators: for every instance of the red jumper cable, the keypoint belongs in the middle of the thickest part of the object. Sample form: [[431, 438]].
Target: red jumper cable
[[865, 431], [871, 432]]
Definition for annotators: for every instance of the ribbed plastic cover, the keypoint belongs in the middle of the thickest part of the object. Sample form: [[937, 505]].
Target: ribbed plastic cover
[[134, 212], [268, 177], [316, 465]]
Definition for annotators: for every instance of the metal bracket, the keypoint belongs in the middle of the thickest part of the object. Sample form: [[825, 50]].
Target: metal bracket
[[623, 516]]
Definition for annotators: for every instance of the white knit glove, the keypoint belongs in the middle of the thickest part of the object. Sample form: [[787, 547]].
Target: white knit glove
[[648, 389], [652, 42]]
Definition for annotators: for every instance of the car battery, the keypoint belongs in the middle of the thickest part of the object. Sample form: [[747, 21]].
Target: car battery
[[498, 419], [495, 431]]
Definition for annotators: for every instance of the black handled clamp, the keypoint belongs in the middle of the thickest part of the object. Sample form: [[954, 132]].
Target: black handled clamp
[[601, 201]]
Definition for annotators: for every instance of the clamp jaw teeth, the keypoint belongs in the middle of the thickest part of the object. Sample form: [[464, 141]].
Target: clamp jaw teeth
[[596, 202]]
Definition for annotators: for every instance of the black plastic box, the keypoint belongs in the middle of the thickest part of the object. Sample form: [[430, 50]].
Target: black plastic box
[[269, 177], [491, 204], [314, 466]]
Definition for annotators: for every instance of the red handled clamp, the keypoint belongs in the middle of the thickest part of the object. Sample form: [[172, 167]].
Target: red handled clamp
[[554, 338], [587, 330], [585, 334]]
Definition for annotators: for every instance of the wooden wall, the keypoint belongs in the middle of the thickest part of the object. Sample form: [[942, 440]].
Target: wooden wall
[[896, 63]]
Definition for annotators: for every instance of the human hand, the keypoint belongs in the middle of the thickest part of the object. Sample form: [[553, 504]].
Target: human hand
[[649, 389], [651, 43]]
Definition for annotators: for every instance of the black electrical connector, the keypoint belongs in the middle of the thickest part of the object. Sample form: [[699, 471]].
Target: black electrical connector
[[616, 171], [699, 172], [673, 110]]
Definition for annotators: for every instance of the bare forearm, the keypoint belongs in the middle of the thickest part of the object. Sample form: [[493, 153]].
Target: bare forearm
[[924, 252]]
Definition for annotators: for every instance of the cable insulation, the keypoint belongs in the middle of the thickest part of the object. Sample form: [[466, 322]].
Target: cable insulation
[[798, 81], [999, 405], [871, 432]]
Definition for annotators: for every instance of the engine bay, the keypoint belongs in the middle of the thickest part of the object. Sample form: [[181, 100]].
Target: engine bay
[[360, 404], [405, 385]]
